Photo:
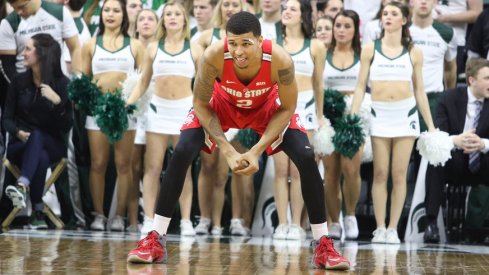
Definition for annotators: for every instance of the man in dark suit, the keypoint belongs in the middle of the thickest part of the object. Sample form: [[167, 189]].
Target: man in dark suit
[[464, 114]]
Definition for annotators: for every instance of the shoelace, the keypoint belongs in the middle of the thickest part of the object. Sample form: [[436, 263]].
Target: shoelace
[[326, 246], [148, 242]]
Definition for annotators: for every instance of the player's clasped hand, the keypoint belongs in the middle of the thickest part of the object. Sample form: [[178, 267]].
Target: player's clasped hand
[[246, 165]]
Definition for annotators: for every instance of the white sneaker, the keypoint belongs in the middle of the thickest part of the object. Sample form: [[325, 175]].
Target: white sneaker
[[351, 227], [117, 224], [203, 227], [186, 228], [216, 231], [133, 228], [281, 232], [237, 229], [379, 235], [391, 236], [296, 233], [335, 230], [147, 226], [98, 223]]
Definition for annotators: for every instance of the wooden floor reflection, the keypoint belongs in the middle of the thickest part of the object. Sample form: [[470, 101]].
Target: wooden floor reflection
[[81, 252]]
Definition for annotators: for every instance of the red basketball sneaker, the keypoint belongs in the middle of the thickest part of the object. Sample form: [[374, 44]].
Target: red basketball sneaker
[[151, 249], [326, 256]]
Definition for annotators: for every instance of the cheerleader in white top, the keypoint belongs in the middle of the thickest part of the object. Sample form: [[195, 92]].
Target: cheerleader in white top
[[109, 57], [308, 55], [146, 25], [341, 74], [170, 62], [394, 66]]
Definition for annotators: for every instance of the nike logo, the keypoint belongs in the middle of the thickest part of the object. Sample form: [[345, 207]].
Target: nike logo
[[230, 82]]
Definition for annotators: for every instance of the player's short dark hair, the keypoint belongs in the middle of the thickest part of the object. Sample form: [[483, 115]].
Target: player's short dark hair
[[243, 22]]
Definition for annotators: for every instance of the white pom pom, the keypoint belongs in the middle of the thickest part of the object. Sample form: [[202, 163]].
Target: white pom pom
[[128, 86], [323, 139], [436, 147], [367, 151]]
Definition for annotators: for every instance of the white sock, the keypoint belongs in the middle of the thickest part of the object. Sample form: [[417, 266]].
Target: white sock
[[160, 224], [319, 230]]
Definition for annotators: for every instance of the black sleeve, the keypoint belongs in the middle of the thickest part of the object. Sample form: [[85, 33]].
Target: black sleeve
[[9, 112], [63, 112], [478, 37], [441, 119], [7, 71]]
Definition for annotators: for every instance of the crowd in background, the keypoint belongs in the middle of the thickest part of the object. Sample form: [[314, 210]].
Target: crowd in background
[[334, 44]]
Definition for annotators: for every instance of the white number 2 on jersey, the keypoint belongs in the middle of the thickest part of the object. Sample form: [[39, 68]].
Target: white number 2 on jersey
[[244, 103]]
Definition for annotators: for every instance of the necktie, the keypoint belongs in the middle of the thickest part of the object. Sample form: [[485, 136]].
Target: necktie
[[475, 157]]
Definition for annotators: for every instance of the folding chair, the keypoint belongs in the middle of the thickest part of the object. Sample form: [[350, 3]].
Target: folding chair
[[55, 173]]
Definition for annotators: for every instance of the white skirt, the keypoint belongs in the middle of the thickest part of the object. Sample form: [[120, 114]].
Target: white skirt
[[167, 116], [91, 123], [140, 138], [306, 109], [394, 119]]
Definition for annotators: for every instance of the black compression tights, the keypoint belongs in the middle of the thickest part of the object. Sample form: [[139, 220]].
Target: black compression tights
[[295, 144]]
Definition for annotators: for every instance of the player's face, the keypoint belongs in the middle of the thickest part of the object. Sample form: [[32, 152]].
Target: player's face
[[30, 54], [291, 16], [344, 29], [423, 8], [146, 23], [112, 14], [133, 7], [333, 8], [173, 18], [270, 5], [229, 8], [202, 11], [480, 83], [244, 48], [324, 30], [24, 8], [392, 18]]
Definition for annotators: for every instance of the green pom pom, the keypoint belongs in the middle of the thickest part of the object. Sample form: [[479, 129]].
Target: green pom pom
[[248, 138], [84, 93], [334, 105], [349, 135], [111, 115]]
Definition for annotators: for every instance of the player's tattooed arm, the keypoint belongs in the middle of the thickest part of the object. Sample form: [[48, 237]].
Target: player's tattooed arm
[[286, 76], [204, 82]]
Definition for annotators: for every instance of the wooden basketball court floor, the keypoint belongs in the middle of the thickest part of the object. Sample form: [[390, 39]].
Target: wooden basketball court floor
[[85, 252]]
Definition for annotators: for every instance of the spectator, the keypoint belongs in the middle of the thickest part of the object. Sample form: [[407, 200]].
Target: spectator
[[457, 14], [463, 113], [33, 17], [202, 11], [271, 13], [478, 43], [133, 8], [36, 98], [437, 42]]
